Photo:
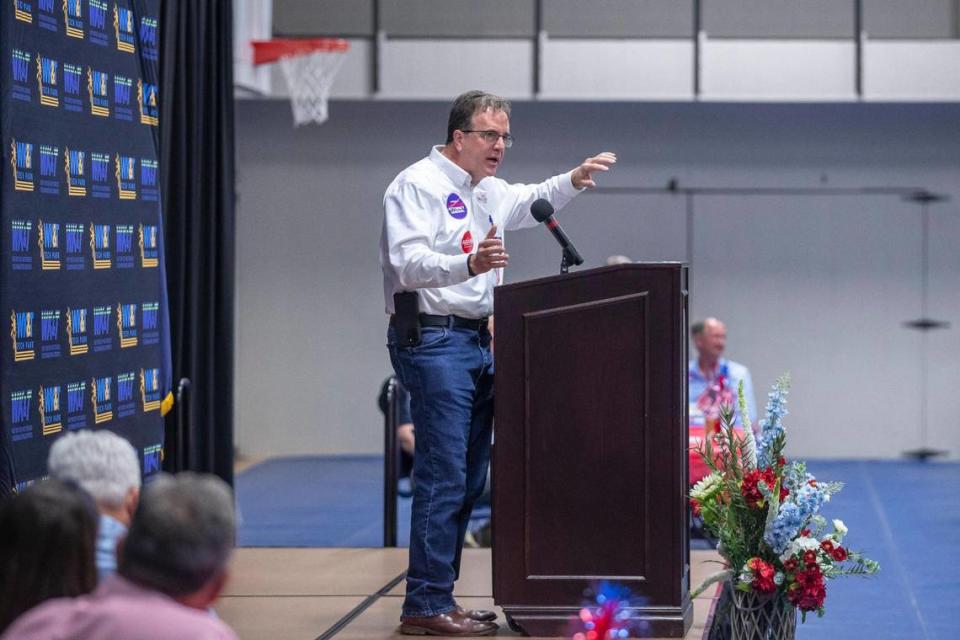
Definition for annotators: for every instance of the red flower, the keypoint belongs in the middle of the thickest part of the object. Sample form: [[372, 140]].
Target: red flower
[[810, 557], [839, 554], [791, 565], [750, 490], [809, 591], [762, 575], [804, 532], [695, 504], [782, 461], [784, 492], [827, 545]]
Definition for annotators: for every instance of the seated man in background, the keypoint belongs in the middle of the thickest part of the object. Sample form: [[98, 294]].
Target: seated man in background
[[46, 547], [172, 567], [105, 466], [713, 380]]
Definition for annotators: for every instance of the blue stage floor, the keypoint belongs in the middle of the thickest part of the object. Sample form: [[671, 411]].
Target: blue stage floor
[[906, 515]]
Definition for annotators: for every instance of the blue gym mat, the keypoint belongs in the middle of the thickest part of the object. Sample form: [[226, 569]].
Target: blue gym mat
[[904, 514]]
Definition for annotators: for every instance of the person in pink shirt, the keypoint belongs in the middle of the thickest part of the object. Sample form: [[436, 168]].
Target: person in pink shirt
[[172, 567]]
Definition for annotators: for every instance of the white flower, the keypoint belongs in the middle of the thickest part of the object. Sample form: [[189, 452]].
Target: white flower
[[706, 487], [778, 578], [840, 529], [799, 546]]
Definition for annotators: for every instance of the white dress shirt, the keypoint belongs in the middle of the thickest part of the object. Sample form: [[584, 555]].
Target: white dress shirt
[[434, 218]]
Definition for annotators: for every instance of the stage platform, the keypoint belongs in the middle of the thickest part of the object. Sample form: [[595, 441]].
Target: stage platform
[[355, 594]]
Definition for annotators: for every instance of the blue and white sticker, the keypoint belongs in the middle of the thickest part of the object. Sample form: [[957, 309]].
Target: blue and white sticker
[[456, 207]]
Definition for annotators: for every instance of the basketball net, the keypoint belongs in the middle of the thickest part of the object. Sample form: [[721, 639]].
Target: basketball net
[[309, 68]]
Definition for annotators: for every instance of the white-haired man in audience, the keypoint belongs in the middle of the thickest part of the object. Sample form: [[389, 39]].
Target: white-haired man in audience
[[172, 567], [105, 466]]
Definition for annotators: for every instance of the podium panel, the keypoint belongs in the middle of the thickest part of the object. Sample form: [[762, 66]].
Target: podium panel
[[589, 479]]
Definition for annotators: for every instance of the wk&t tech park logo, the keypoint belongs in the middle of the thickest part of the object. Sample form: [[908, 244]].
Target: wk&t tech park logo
[[100, 245], [150, 326], [48, 239], [74, 165], [49, 165], [20, 63], [72, 93], [147, 96], [125, 173], [76, 405], [152, 457], [21, 160], [121, 98], [100, 175], [77, 331], [20, 258], [150, 389], [98, 83], [148, 37], [47, 81], [102, 400], [73, 16], [50, 333], [21, 332], [149, 190], [48, 15], [149, 254], [21, 427], [123, 28], [102, 341], [124, 246], [74, 247], [126, 405], [22, 11], [50, 410], [98, 22], [127, 325]]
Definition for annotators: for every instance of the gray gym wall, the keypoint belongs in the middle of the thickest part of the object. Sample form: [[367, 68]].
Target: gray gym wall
[[817, 286]]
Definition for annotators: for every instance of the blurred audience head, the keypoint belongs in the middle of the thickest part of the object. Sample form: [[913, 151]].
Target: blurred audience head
[[181, 538], [104, 464], [618, 259], [47, 546], [710, 339]]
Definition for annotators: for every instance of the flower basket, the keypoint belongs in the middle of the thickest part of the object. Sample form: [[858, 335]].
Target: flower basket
[[762, 617], [777, 550]]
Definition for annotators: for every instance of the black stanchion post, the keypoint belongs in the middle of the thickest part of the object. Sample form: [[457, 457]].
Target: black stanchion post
[[184, 426], [390, 466]]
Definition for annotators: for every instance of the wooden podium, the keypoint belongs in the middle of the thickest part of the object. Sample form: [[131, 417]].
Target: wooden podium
[[589, 460]]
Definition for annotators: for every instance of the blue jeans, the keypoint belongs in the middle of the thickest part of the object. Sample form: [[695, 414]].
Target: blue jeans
[[450, 380]]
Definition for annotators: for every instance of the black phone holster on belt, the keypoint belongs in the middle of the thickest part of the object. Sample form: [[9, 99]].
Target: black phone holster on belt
[[406, 318]]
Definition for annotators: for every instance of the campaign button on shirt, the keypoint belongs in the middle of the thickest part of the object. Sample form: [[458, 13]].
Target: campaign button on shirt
[[466, 243], [455, 207]]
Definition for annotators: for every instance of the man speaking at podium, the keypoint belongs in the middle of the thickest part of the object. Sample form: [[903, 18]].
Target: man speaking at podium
[[442, 253]]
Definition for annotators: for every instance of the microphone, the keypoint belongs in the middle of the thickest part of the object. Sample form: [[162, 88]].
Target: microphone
[[542, 211]]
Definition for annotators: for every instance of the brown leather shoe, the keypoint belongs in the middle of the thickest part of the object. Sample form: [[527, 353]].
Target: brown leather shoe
[[452, 623], [477, 614]]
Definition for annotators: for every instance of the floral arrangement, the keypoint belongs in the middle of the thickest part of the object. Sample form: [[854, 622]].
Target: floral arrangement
[[764, 512]]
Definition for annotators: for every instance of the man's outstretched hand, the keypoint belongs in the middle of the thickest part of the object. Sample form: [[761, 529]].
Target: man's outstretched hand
[[582, 176]]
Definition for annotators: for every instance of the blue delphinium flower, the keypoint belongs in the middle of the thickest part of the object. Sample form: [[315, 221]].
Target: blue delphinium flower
[[803, 502], [771, 427]]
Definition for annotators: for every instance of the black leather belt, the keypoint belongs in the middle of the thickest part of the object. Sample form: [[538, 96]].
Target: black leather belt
[[450, 322]]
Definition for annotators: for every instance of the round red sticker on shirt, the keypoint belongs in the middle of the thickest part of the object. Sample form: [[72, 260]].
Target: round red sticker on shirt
[[466, 243]]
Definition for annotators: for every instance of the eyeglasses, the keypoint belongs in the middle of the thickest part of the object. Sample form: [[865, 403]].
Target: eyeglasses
[[490, 137]]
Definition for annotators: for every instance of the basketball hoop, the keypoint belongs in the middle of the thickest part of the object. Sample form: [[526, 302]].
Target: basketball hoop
[[309, 67]]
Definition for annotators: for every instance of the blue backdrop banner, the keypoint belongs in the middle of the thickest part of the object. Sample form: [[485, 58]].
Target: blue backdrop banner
[[83, 283]]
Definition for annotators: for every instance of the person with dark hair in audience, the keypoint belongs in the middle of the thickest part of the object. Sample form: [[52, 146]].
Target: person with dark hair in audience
[[46, 547], [172, 567], [105, 466]]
